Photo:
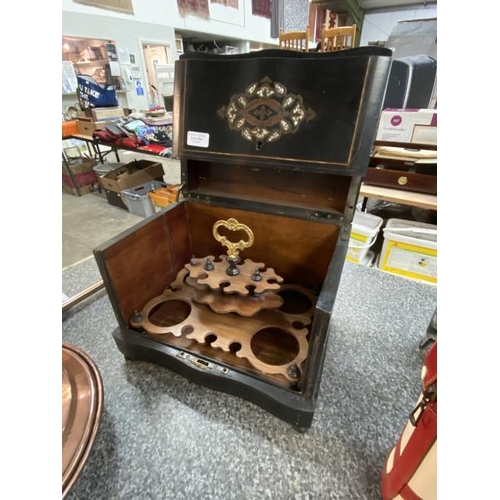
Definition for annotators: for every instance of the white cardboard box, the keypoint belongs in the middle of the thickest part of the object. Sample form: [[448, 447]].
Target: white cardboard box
[[398, 124]]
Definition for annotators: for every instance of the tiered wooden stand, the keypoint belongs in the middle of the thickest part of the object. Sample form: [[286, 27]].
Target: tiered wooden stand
[[235, 307]]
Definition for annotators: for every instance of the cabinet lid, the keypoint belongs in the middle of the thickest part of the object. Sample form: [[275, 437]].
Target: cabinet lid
[[317, 110]]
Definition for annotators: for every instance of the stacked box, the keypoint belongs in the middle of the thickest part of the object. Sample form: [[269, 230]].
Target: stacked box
[[83, 175], [87, 126], [365, 228], [107, 113], [132, 174], [69, 128]]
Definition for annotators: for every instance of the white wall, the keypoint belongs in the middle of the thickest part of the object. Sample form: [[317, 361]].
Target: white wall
[[224, 21], [378, 24], [128, 34], [155, 21]]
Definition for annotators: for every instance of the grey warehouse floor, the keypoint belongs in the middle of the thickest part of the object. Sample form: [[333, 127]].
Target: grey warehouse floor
[[163, 437], [88, 221]]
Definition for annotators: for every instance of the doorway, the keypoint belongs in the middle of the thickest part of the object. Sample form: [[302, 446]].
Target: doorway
[[159, 65]]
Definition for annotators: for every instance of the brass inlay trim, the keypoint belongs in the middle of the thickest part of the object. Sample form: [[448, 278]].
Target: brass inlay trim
[[265, 111]]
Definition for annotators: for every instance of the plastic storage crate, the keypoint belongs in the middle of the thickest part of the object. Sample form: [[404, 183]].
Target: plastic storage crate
[[115, 199], [410, 250], [137, 198], [365, 228]]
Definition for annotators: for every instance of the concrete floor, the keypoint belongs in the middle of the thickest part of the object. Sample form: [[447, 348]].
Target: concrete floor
[[89, 220], [162, 437]]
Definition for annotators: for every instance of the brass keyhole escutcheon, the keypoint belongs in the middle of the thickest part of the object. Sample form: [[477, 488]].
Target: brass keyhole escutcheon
[[403, 180], [233, 248]]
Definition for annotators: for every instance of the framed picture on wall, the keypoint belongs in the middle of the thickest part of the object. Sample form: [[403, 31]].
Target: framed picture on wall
[[118, 5]]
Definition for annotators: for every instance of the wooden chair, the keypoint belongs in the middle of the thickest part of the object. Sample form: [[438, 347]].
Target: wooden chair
[[341, 38], [294, 40]]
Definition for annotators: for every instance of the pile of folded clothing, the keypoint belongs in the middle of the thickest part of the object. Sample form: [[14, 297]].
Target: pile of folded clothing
[[139, 131]]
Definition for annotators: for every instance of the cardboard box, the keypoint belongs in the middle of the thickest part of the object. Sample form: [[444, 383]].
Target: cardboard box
[[79, 167], [86, 126], [84, 113], [85, 189], [106, 113], [83, 174], [424, 134], [132, 174], [397, 125]]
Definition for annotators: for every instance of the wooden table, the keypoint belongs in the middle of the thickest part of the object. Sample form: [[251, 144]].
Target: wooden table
[[421, 200], [91, 142]]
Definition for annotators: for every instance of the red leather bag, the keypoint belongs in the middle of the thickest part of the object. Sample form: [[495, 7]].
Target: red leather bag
[[410, 470]]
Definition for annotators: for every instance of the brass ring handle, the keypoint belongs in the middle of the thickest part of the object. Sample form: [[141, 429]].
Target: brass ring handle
[[233, 247]]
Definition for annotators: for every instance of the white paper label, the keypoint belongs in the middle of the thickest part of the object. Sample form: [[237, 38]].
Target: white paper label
[[411, 261], [198, 139]]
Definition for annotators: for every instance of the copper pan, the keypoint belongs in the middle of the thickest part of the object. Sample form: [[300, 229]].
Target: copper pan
[[82, 402]]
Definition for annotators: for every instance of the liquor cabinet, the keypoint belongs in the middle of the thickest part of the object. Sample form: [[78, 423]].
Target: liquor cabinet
[[233, 285]]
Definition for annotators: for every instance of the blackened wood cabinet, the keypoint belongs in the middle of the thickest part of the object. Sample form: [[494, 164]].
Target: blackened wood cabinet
[[278, 141]]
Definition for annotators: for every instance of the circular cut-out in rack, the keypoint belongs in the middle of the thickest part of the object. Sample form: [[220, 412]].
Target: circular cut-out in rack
[[297, 300], [163, 314], [275, 350], [170, 312], [274, 346]]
